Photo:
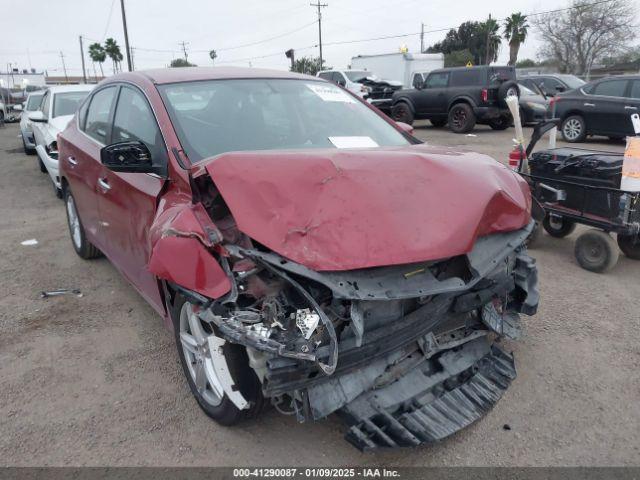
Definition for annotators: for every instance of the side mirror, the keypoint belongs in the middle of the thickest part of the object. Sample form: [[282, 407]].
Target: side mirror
[[342, 83], [405, 127], [37, 116], [560, 88], [127, 157]]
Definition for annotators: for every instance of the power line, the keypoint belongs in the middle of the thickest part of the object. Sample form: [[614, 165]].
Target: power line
[[106, 27]]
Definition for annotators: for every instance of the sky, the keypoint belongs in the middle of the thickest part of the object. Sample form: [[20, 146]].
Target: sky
[[243, 32]]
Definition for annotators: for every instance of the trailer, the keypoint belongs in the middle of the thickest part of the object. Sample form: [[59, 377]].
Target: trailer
[[406, 68]]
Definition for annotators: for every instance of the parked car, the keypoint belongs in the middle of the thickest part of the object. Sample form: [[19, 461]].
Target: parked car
[[283, 228], [3, 111], [603, 107], [32, 104], [461, 97], [400, 67], [58, 106], [551, 84], [533, 106], [365, 84]]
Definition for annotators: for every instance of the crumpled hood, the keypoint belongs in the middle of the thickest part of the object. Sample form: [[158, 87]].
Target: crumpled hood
[[336, 209]]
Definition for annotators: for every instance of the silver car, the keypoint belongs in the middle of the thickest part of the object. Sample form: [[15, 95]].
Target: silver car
[[26, 126]]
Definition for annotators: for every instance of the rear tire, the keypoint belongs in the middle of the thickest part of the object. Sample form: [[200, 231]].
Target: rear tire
[[500, 123], [439, 123], [596, 251], [630, 246], [401, 112], [83, 247], [461, 118], [558, 227], [574, 129], [211, 399]]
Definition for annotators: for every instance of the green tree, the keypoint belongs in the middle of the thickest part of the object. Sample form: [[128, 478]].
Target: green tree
[[526, 63], [112, 49], [458, 58], [515, 31], [309, 65], [181, 62], [471, 36], [490, 41], [97, 55]]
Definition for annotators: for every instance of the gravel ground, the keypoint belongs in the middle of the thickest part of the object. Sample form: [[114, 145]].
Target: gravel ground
[[96, 380]]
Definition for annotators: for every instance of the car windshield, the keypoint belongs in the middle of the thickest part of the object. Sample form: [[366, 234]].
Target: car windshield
[[33, 103], [217, 116], [67, 103], [572, 81], [355, 75]]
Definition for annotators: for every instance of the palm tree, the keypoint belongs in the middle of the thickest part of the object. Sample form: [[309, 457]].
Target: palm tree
[[515, 31], [490, 39], [97, 55], [112, 49]]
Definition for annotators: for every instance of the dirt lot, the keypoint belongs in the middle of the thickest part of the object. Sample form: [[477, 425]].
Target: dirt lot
[[96, 380]]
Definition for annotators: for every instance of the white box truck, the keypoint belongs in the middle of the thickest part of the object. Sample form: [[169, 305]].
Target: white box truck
[[406, 68]]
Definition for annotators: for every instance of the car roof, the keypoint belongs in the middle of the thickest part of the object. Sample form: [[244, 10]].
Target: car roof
[[70, 88], [161, 76]]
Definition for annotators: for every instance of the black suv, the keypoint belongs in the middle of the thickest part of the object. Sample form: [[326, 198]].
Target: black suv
[[461, 97]]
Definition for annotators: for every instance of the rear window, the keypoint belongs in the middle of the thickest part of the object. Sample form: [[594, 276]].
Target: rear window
[[464, 78], [611, 88], [501, 74]]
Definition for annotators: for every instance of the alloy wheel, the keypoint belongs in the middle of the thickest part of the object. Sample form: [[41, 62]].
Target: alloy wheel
[[572, 129], [195, 346], [74, 223]]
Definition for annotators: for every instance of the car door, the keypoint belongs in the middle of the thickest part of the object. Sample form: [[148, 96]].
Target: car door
[[82, 159], [127, 201], [604, 108], [38, 127], [632, 105], [433, 98]]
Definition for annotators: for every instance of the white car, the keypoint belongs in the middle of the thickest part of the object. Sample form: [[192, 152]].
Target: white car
[[349, 79], [58, 107], [26, 126]]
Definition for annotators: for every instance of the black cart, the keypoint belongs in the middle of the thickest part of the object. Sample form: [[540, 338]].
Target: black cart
[[577, 186]]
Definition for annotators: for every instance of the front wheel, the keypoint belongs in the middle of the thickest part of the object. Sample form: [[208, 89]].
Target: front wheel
[[630, 246], [461, 118], [214, 367], [596, 251], [401, 112], [558, 227], [83, 247], [574, 129]]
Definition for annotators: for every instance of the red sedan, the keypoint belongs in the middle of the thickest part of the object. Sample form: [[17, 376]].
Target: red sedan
[[307, 251]]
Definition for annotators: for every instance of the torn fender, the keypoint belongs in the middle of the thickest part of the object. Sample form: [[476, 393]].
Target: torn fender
[[186, 262], [179, 237], [334, 209]]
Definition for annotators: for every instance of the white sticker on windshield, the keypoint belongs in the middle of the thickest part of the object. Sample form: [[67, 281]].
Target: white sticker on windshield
[[330, 93], [353, 142]]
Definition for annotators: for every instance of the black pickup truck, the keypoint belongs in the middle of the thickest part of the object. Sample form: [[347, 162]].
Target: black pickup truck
[[461, 97]]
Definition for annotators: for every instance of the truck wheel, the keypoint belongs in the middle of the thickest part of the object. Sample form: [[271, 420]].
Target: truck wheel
[[401, 112], [574, 129], [506, 90], [596, 251], [461, 118], [500, 123], [558, 227], [630, 246], [206, 372], [440, 122]]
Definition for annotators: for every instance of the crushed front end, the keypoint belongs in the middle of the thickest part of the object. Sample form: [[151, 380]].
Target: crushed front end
[[406, 354]]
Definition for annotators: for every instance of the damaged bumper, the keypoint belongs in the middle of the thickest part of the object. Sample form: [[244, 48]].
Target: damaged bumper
[[404, 354]]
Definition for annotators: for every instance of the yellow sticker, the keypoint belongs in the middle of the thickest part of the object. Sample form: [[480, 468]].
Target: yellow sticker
[[469, 64]]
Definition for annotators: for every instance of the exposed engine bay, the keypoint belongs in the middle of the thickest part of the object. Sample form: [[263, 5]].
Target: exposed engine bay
[[405, 354]]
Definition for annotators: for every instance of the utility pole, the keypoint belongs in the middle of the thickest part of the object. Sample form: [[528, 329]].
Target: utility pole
[[184, 49], [133, 64], [319, 5], [422, 38], [84, 72], [487, 47], [126, 36], [64, 67]]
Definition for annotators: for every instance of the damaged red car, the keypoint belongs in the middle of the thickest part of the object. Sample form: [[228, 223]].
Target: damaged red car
[[307, 251]]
